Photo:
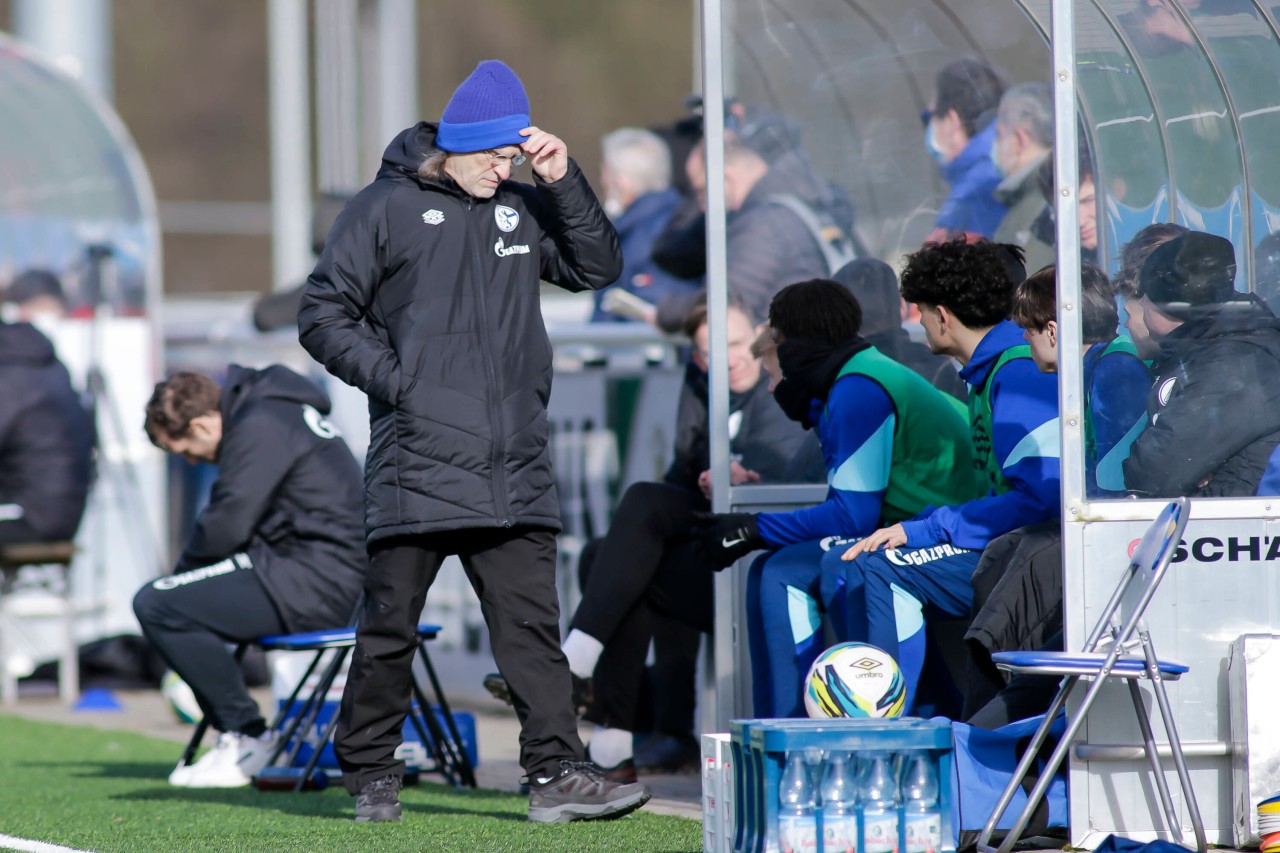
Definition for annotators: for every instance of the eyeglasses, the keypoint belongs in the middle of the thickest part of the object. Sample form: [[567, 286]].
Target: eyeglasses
[[496, 159]]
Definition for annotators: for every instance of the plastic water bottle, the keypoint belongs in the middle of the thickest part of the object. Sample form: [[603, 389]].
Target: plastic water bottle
[[797, 818], [839, 806], [923, 833], [879, 796]]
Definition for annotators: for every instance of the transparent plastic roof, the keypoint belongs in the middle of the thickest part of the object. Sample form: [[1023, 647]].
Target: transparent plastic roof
[[70, 178]]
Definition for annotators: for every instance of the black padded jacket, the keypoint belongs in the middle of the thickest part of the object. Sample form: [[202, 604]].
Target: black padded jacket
[[1214, 408], [288, 495], [427, 299], [46, 436]]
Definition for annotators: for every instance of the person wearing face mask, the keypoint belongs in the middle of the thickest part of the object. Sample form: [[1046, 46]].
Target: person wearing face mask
[[636, 191], [959, 131], [1024, 140], [33, 297], [893, 445]]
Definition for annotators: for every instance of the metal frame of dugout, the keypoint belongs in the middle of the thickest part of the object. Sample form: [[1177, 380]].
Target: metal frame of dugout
[[1227, 586]]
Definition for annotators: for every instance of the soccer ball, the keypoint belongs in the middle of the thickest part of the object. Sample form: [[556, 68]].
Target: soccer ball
[[854, 680], [182, 701]]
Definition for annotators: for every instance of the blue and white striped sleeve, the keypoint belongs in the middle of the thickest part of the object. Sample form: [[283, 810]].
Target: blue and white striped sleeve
[[857, 439]]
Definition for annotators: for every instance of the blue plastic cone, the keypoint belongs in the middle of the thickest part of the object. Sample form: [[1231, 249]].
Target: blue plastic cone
[[98, 699]]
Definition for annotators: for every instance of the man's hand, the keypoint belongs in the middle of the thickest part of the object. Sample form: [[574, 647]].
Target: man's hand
[[721, 540], [548, 155], [737, 476], [887, 537]]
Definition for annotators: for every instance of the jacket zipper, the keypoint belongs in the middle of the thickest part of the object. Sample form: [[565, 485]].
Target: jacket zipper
[[499, 479]]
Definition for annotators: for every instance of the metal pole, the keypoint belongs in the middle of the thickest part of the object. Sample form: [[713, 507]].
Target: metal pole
[[1067, 184], [337, 98], [397, 67], [719, 694], [76, 34], [290, 142]]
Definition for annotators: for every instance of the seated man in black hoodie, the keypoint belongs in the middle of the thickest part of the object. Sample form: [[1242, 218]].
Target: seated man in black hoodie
[[646, 567], [1214, 406], [279, 548], [46, 441]]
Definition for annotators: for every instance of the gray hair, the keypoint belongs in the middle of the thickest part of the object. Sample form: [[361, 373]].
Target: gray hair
[[1029, 107], [639, 154]]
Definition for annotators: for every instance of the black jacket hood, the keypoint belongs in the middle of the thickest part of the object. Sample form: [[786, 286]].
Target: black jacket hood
[[406, 152], [275, 382], [23, 343]]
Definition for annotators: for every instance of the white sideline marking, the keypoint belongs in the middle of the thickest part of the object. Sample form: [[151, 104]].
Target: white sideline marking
[[8, 842]]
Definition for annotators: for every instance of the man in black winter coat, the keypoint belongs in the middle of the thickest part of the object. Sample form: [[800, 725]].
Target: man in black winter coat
[[427, 298], [1214, 406], [46, 441], [277, 549]]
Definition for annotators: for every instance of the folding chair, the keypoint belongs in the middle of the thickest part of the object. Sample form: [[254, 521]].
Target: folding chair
[[1111, 651], [446, 748]]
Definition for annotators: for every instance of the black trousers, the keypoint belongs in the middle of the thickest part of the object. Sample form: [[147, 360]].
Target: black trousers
[[645, 565], [191, 617], [514, 574], [668, 692]]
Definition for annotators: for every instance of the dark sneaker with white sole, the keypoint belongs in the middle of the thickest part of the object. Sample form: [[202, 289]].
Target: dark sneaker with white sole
[[379, 801], [580, 791], [583, 691]]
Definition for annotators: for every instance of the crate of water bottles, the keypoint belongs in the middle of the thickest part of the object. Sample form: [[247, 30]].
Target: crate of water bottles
[[842, 786]]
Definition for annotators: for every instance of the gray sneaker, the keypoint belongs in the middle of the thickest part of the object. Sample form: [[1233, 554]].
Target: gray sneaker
[[379, 801], [580, 791]]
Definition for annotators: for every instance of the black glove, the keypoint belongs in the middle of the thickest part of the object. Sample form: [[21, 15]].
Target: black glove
[[721, 540]]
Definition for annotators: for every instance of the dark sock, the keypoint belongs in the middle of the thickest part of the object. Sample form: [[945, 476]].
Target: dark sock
[[254, 729]]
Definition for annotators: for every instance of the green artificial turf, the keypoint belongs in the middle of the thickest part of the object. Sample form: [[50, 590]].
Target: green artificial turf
[[106, 791]]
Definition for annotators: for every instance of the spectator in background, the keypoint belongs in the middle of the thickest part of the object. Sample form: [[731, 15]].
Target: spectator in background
[[635, 189], [46, 441], [279, 547], [1132, 257], [1116, 380], [959, 135], [34, 295], [646, 565], [784, 222], [874, 284], [1024, 142], [1215, 403], [1086, 205]]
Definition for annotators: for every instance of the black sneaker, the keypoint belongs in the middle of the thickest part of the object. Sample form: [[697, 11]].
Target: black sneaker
[[583, 691], [379, 801], [580, 791]]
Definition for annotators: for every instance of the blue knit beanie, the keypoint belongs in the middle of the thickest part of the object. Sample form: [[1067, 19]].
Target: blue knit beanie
[[487, 111]]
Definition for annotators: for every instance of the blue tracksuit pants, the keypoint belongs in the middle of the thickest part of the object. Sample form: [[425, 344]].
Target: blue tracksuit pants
[[784, 623], [884, 598]]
